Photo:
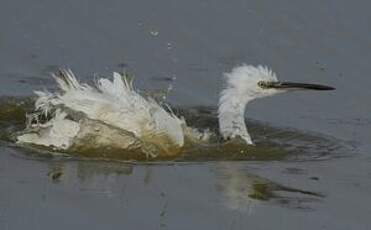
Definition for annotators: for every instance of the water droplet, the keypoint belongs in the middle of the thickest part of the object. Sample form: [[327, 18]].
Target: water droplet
[[169, 46], [154, 33]]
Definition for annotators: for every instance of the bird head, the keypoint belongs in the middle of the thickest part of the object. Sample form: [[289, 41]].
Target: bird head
[[255, 82], [244, 84]]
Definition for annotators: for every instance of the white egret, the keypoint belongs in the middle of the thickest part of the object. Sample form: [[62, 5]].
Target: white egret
[[143, 120], [244, 84]]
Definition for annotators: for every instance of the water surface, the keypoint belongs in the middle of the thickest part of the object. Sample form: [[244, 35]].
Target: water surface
[[190, 44]]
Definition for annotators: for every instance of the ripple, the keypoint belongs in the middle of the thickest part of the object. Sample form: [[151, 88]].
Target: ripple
[[272, 143]]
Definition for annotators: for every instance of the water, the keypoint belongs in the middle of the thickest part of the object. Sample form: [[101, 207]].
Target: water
[[272, 143], [316, 41]]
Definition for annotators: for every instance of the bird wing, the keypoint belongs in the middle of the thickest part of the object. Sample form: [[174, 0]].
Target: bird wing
[[118, 104]]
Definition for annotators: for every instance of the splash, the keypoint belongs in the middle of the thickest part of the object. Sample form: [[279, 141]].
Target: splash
[[271, 143], [58, 119]]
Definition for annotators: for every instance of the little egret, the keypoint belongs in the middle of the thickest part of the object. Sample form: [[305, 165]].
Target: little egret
[[244, 84], [60, 118]]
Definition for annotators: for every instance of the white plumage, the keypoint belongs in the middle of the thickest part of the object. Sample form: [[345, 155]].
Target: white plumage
[[241, 88], [113, 102], [116, 104]]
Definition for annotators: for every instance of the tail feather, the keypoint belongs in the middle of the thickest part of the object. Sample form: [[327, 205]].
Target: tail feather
[[120, 86], [66, 80]]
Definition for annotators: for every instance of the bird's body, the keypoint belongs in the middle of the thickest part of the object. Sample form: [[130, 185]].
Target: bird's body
[[117, 105], [114, 103]]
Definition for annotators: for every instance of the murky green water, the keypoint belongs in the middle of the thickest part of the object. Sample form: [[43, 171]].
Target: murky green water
[[271, 143]]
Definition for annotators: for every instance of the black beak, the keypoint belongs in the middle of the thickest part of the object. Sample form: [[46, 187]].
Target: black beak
[[293, 85]]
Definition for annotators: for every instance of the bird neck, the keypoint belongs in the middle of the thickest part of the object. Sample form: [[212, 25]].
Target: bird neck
[[231, 115]]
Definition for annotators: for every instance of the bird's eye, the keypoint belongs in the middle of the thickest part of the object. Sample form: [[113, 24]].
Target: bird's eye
[[262, 84]]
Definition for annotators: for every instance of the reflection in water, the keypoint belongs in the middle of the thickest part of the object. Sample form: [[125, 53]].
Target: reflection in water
[[271, 143], [243, 190], [93, 176], [240, 189], [56, 172], [95, 170]]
